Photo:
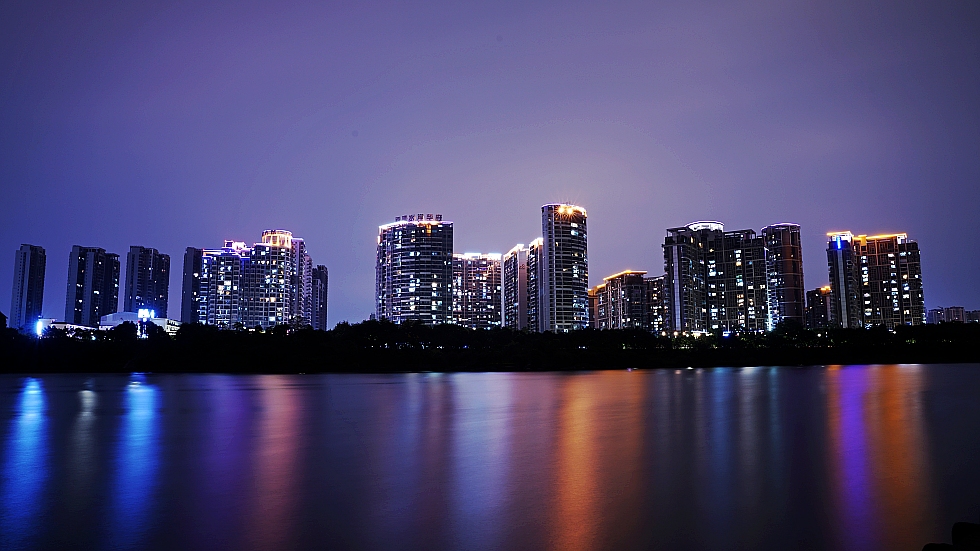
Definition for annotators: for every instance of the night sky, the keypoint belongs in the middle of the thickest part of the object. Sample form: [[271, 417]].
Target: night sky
[[175, 124]]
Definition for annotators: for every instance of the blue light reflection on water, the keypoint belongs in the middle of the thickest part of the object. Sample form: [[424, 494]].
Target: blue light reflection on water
[[25, 468], [135, 466]]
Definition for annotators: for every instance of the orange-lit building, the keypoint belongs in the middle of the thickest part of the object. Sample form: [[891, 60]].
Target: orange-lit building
[[875, 280]]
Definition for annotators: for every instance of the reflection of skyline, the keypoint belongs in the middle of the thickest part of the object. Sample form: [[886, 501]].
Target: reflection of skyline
[[275, 454], [135, 467], [830, 457], [84, 455], [481, 458], [575, 507], [25, 466], [877, 454]]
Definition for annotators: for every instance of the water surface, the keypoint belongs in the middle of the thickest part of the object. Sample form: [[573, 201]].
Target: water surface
[[855, 457]]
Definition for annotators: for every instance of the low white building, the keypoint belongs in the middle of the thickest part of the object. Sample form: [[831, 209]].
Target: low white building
[[144, 316]]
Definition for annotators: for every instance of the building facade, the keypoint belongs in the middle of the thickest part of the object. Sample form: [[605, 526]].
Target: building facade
[[303, 283], [784, 272], [319, 295], [819, 305], [269, 290], [684, 276], [147, 281], [563, 287], [655, 302], [190, 289], [875, 280], [242, 286], [715, 280], [221, 285], [27, 296], [93, 285], [414, 270], [514, 292], [476, 287], [535, 253], [622, 302]]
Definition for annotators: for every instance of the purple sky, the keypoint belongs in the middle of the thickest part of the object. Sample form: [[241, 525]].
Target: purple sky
[[169, 125]]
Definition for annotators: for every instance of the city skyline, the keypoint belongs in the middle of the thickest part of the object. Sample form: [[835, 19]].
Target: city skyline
[[786, 245], [190, 126]]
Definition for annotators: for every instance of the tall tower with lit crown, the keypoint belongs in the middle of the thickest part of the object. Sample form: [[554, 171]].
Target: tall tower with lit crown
[[563, 289]]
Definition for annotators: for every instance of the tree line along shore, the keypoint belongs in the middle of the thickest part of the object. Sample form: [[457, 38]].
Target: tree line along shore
[[384, 347]]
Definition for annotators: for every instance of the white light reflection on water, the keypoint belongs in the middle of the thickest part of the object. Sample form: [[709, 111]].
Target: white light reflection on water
[[25, 468], [135, 466], [481, 437]]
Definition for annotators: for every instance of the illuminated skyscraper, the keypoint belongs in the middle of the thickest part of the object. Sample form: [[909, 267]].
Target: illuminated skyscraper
[[302, 308], [876, 280], [222, 284], [535, 253], [715, 280], [28, 289], [269, 291], [190, 289], [414, 270], [514, 283], [655, 303], [784, 270], [684, 281], [93, 285], [476, 290], [252, 286], [563, 287], [319, 297], [147, 281]]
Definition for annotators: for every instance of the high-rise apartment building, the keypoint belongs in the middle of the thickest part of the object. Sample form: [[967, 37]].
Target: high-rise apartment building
[[655, 302], [784, 271], [685, 274], [514, 288], [477, 290], [935, 316], [954, 313], [251, 286], [147, 281], [819, 306], [715, 280], [563, 287], [622, 301], [319, 294], [876, 280], [535, 255], [191, 285], [414, 270], [302, 282], [93, 285], [269, 290], [845, 281], [28, 288], [221, 285]]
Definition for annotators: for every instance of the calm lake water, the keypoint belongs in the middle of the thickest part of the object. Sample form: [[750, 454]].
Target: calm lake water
[[856, 457]]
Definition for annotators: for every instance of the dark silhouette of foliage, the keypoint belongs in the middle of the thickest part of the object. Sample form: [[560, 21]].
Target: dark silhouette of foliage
[[382, 346]]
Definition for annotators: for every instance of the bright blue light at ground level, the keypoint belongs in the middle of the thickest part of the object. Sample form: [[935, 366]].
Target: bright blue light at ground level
[[39, 328]]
